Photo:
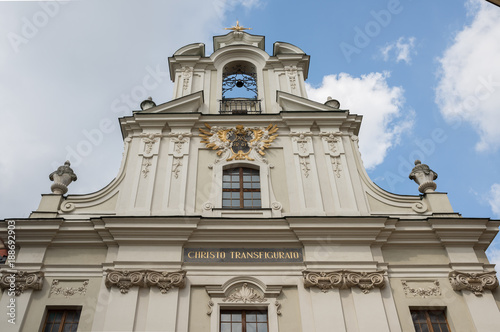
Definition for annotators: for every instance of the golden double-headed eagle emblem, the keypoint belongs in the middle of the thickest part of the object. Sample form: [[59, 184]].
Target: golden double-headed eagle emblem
[[238, 142]]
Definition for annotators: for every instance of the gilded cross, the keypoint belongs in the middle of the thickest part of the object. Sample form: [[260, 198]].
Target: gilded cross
[[237, 27]]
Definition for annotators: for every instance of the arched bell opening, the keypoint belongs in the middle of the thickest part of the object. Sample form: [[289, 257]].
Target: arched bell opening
[[239, 89]]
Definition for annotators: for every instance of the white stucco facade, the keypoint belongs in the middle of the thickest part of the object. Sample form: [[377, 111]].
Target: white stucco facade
[[325, 250]]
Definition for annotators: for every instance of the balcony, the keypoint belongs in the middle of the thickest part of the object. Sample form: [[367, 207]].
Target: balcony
[[239, 106]]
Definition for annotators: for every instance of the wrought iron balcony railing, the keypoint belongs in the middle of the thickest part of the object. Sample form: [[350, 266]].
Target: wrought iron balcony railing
[[239, 106]]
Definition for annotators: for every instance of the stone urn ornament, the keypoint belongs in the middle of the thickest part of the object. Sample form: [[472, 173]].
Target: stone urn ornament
[[424, 177], [62, 177]]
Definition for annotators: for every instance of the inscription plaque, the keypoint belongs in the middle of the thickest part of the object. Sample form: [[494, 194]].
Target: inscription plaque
[[243, 255]]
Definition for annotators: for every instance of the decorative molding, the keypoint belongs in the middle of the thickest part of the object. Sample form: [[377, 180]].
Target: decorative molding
[[20, 281], [291, 72], [177, 166], [336, 166], [146, 163], [474, 282], [277, 304], [304, 165], [244, 294], [186, 75], [210, 307], [422, 292], [145, 278], [149, 140], [276, 206], [56, 289], [332, 139], [419, 207], [344, 279]]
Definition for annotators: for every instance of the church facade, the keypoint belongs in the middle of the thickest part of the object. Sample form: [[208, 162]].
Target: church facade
[[241, 205]]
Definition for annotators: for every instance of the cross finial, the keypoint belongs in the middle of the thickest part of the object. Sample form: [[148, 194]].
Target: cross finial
[[237, 27]]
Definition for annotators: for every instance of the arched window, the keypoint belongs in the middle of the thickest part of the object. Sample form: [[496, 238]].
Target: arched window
[[241, 188]]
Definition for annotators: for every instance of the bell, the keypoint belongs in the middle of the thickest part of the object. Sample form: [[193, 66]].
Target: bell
[[239, 84]]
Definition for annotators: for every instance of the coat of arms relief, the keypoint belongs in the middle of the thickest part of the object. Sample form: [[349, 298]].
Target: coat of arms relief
[[240, 142]]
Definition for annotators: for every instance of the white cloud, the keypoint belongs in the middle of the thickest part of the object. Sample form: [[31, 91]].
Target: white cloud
[[380, 105], [469, 77], [494, 198], [401, 49], [493, 254]]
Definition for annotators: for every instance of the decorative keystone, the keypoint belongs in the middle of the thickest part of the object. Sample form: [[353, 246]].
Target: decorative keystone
[[424, 177], [474, 282], [21, 280], [62, 178]]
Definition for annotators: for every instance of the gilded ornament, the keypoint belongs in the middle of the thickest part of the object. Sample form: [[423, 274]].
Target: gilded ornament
[[238, 142]]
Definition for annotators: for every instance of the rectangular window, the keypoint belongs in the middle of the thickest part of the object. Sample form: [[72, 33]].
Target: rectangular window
[[429, 321], [243, 321], [241, 189], [62, 320]]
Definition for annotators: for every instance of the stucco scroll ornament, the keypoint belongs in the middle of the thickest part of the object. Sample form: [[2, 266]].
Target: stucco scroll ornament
[[238, 143], [344, 279], [165, 280], [244, 294], [424, 177], [21, 281], [474, 282], [124, 280], [62, 177], [422, 292], [68, 291]]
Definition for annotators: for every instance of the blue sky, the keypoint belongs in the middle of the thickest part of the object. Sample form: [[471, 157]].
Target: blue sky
[[424, 74]]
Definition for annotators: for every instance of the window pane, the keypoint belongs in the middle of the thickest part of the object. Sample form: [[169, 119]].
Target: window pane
[[247, 178], [226, 202], [225, 317], [236, 317], [237, 327], [247, 194], [247, 203], [256, 195], [55, 327], [261, 327], [225, 327], [251, 327], [247, 185], [48, 328], [262, 317], [251, 317], [256, 185], [235, 195], [256, 203], [226, 194], [235, 178], [235, 185], [226, 185]]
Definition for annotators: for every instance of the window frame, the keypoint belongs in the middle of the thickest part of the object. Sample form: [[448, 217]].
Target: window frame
[[243, 317], [241, 189], [428, 319], [65, 311]]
